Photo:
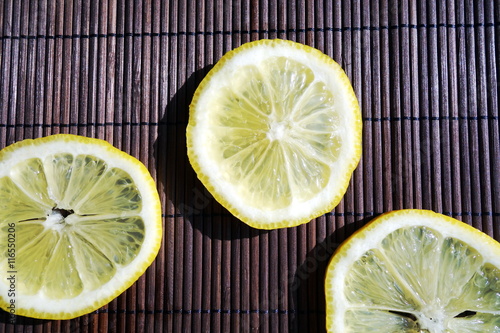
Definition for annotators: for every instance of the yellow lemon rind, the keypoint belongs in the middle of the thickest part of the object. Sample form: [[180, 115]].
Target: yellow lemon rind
[[365, 233], [349, 167], [154, 227]]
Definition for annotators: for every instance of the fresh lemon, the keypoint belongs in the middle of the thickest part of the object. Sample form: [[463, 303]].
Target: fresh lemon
[[414, 271], [274, 133], [80, 221]]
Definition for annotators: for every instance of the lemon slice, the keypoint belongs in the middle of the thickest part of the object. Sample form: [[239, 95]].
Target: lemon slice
[[414, 271], [80, 221], [274, 133]]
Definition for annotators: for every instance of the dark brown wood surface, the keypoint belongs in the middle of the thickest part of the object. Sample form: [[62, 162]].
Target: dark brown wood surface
[[426, 75]]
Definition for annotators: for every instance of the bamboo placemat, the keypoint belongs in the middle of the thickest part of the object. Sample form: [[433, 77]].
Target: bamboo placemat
[[425, 73]]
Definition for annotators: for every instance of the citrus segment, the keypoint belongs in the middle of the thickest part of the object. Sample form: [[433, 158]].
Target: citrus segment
[[80, 222], [414, 271], [275, 133], [16, 205], [30, 178], [59, 169]]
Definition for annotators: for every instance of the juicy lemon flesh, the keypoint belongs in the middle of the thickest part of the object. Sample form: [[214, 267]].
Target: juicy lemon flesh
[[417, 280], [76, 222], [277, 133]]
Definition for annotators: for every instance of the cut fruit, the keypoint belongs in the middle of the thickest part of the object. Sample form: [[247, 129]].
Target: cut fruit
[[274, 133], [414, 271], [80, 222]]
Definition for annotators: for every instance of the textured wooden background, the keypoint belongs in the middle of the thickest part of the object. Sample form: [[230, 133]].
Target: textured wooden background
[[426, 75]]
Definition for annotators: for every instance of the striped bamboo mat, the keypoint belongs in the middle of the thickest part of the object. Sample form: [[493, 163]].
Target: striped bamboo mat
[[426, 75]]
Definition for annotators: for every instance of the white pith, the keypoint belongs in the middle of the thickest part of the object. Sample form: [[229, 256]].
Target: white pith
[[432, 317], [125, 275], [202, 134]]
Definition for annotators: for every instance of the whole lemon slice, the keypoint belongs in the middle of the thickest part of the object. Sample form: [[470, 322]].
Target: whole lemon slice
[[80, 221], [414, 271], [274, 133]]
